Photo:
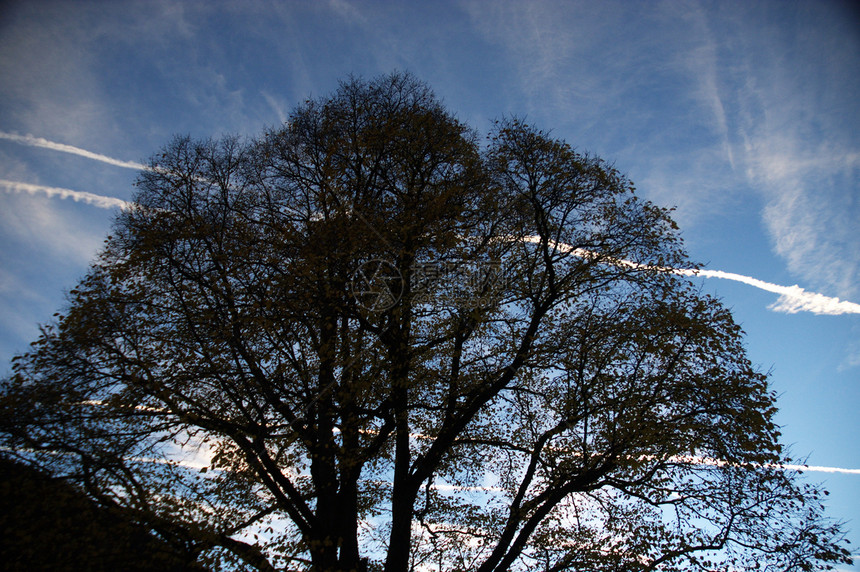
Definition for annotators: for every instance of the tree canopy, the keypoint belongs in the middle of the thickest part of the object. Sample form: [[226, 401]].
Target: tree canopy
[[367, 340]]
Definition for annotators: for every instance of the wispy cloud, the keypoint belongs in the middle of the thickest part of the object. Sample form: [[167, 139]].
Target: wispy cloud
[[280, 108], [792, 119], [852, 359], [811, 210], [44, 143], [78, 196]]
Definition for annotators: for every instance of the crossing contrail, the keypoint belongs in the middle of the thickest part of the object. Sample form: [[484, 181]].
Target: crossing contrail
[[792, 299]]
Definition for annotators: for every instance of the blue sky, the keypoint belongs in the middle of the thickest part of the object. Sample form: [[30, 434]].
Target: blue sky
[[744, 117]]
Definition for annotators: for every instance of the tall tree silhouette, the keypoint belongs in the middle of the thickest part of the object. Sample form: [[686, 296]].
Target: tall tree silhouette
[[379, 344]]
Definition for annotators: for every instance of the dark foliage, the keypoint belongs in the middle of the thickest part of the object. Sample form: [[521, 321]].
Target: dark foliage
[[47, 524]]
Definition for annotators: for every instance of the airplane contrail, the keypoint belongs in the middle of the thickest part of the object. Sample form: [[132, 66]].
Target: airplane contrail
[[708, 461], [62, 147], [792, 299], [819, 469], [100, 201]]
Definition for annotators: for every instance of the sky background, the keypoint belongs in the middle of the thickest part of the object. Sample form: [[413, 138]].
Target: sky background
[[743, 116]]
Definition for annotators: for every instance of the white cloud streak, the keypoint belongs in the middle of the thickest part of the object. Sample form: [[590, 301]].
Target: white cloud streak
[[78, 196], [792, 299], [818, 469], [708, 461], [44, 143]]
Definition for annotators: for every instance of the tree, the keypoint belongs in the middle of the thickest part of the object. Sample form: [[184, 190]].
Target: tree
[[366, 341]]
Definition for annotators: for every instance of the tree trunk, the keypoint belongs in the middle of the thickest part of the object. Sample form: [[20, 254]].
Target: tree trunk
[[403, 492]]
